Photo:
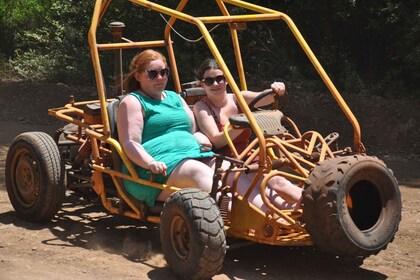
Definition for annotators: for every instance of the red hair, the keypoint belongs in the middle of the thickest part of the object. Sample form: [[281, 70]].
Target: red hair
[[138, 64]]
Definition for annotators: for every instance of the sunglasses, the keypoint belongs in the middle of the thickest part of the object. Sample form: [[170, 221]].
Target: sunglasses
[[210, 81], [152, 73]]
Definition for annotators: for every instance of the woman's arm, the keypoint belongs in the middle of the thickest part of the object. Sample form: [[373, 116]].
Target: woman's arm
[[130, 128], [277, 87], [201, 138], [208, 126], [190, 115]]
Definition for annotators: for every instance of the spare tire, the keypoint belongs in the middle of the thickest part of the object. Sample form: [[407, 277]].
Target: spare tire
[[352, 206]]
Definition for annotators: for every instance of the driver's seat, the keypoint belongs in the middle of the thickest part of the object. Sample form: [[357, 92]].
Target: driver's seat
[[112, 109]]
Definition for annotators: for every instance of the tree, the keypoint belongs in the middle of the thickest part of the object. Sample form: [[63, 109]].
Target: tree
[[365, 46]]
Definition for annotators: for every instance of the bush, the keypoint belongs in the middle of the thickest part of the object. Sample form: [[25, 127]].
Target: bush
[[364, 46], [7, 72]]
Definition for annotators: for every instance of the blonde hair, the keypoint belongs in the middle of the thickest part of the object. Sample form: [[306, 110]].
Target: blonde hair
[[138, 64]]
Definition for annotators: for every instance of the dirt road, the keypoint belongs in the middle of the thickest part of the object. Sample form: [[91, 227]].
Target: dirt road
[[87, 243], [84, 242]]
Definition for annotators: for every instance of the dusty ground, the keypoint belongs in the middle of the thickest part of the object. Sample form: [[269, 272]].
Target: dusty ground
[[87, 243]]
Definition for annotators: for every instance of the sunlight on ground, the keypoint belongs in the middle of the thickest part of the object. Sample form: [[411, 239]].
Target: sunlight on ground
[[412, 182]]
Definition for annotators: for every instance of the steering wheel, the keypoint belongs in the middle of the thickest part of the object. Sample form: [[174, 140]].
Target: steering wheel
[[273, 106]]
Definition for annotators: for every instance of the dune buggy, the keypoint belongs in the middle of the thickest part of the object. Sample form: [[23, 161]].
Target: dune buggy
[[351, 201]]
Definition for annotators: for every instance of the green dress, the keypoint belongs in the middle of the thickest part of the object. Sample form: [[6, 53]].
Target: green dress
[[166, 137]]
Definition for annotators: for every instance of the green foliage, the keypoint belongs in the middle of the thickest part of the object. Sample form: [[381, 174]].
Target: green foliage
[[6, 69], [18, 12], [49, 41], [364, 46]]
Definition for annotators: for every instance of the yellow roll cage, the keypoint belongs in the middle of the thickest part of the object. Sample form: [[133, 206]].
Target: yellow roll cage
[[276, 227]]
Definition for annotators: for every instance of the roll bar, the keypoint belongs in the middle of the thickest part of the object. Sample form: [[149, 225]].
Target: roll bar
[[234, 22]]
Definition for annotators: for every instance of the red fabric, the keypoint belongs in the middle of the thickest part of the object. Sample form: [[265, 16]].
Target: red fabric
[[240, 142]]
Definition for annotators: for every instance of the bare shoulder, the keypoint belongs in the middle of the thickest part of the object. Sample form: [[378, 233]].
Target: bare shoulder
[[129, 98], [130, 103], [200, 105]]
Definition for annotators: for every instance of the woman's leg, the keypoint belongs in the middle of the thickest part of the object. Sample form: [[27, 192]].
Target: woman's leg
[[288, 191], [189, 173], [255, 196]]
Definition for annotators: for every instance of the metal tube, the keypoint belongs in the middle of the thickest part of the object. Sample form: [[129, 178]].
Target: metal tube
[[116, 30]]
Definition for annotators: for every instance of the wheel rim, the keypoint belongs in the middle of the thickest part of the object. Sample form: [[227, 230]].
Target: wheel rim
[[25, 178], [180, 237]]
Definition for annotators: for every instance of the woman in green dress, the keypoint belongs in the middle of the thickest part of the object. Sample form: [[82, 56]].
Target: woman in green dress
[[157, 129]]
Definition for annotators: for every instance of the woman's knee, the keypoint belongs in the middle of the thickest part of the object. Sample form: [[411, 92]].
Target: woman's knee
[[192, 173], [281, 183], [203, 176], [285, 188]]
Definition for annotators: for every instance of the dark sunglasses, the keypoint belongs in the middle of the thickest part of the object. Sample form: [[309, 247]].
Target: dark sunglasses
[[210, 81], [152, 74]]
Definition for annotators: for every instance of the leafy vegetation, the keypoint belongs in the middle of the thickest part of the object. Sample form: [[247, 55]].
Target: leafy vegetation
[[365, 46]]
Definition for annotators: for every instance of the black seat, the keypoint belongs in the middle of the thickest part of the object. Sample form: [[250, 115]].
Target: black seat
[[112, 108], [191, 93]]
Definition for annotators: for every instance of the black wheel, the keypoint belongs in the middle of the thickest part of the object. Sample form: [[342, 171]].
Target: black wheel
[[34, 176], [352, 206], [192, 234]]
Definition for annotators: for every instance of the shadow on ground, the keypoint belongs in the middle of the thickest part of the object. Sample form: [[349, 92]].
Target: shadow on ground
[[87, 226]]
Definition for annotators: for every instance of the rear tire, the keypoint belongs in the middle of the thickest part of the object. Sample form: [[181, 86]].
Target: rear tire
[[192, 234], [352, 206], [34, 176]]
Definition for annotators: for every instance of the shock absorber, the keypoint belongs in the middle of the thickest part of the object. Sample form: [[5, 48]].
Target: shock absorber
[[84, 152]]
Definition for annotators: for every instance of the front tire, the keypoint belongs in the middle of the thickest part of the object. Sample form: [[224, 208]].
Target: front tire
[[352, 206], [34, 176], [192, 234]]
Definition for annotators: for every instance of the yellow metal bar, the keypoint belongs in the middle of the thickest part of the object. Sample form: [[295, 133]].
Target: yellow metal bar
[[238, 57], [131, 45], [325, 148], [236, 47], [229, 140], [238, 18], [125, 197], [241, 101], [137, 180], [61, 115], [333, 90], [165, 10], [284, 146], [114, 143], [288, 176], [175, 14], [296, 148], [95, 149], [273, 208], [250, 6], [299, 168], [172, 61], [104, 7], [97, 65], [170, 48], [219, 59]]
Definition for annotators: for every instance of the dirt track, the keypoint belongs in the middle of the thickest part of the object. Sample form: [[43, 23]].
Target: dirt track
[[83, 242]]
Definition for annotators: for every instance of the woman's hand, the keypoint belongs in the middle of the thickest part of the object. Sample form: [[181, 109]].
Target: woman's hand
[[205, 144], [278, 87], [158, 167]]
